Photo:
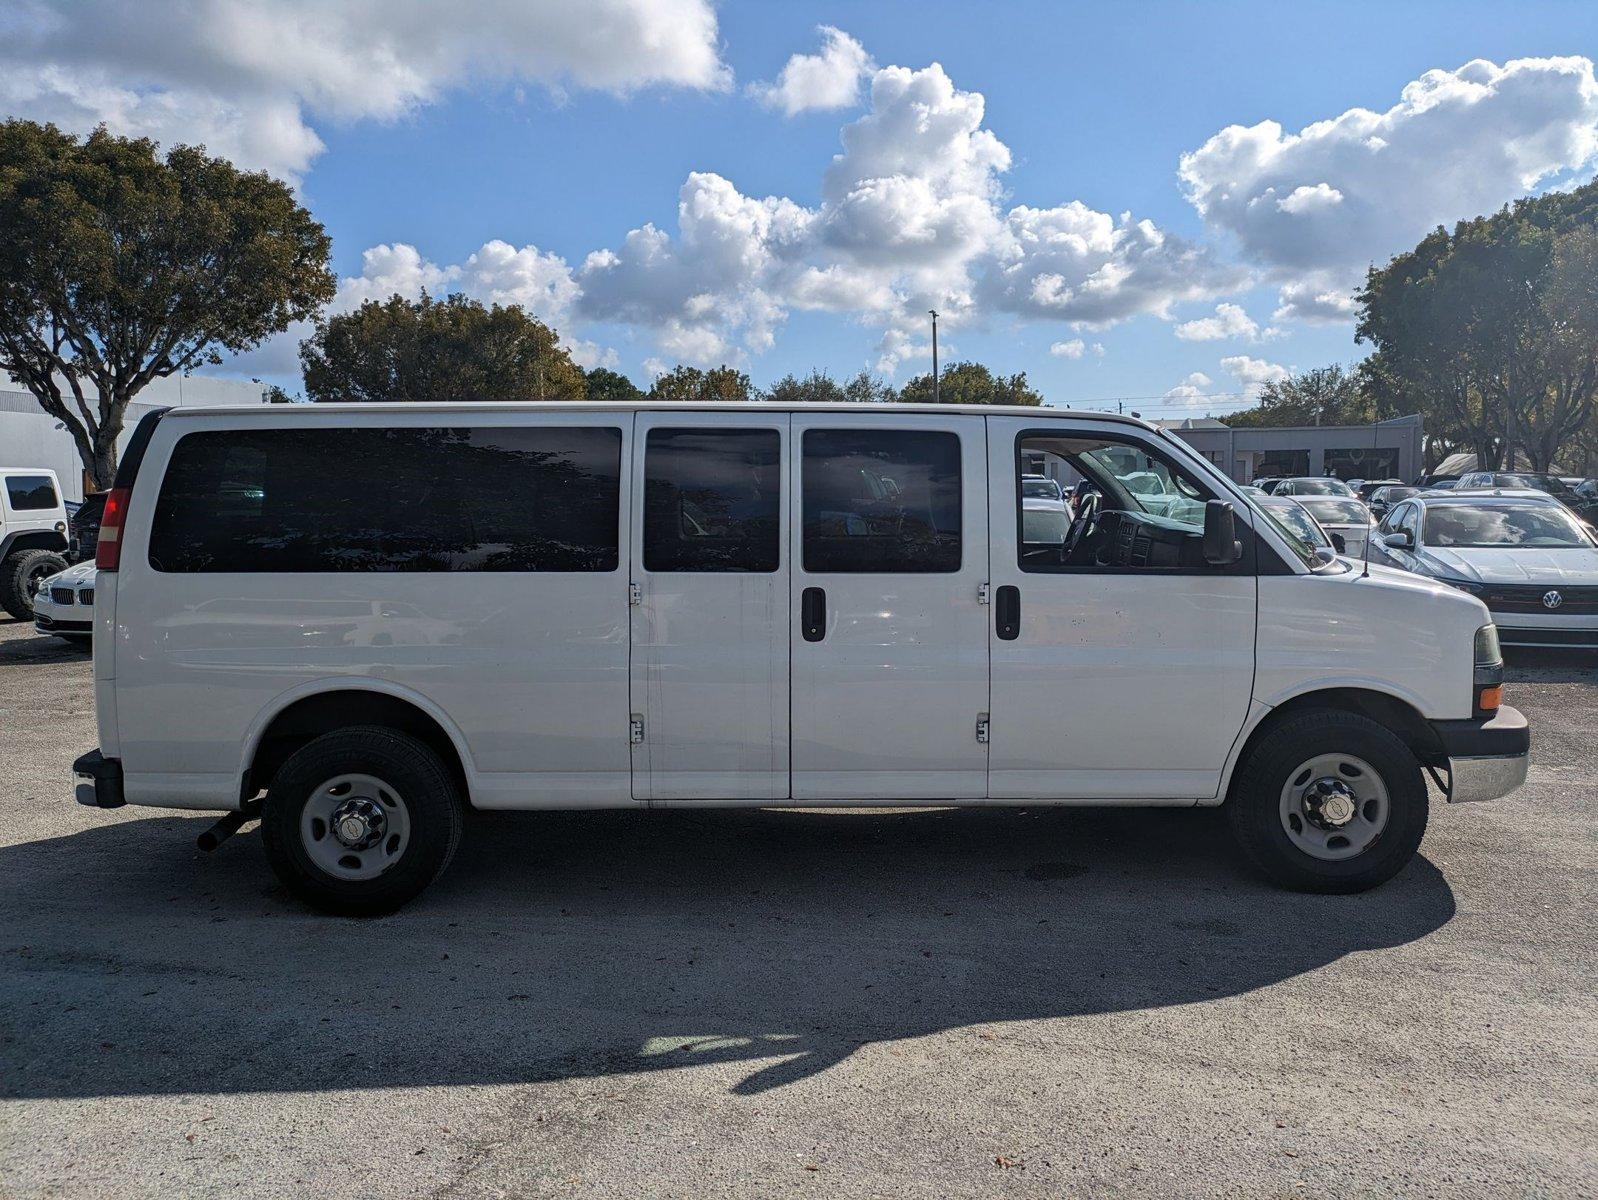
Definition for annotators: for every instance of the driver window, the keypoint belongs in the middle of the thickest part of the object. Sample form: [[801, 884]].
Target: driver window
[[1123, 507]]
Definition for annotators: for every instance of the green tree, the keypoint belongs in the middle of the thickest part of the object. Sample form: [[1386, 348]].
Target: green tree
[[277, 395], [1324, 396], [439, 351], [866, 388], [1489, 329], [119, 266], [816, 387], [971, 383], [691, 385], [607, 386]]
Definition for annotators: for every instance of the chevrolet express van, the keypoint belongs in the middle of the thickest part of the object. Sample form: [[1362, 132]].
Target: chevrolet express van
[[354, 622]]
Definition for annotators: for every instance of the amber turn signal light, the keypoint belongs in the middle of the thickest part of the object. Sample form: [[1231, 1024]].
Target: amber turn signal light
[[1489, 698]]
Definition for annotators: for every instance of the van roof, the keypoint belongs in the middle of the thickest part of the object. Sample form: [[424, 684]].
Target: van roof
[[1005, 410]]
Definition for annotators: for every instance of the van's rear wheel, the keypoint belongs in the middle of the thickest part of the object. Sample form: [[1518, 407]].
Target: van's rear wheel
[[1329, 801], [360, 820]]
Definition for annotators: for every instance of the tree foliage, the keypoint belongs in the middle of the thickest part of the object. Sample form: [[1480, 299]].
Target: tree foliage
[[971, 383], [819, 387], [440, 351], [1491, 329], [1324, 396], [608, 386], [119, 266], [691, 385]]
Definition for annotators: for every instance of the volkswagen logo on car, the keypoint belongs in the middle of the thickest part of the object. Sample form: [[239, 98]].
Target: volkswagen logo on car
[[1552, 599]]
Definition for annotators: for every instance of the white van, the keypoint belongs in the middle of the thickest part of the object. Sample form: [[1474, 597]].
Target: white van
[[354, 621]]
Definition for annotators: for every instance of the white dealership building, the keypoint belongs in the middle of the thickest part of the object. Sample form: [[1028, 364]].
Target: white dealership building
[[29, 437]]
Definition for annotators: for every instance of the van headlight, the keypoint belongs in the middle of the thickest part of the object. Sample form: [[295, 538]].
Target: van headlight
[[1487, 680], [1466, 586]]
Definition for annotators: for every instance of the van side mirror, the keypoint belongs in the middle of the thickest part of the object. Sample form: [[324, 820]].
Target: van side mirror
[[1401, 540], [1220, 534]]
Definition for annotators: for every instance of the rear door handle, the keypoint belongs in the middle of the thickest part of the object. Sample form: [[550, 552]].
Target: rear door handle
[[1007, 612], [813, 614]]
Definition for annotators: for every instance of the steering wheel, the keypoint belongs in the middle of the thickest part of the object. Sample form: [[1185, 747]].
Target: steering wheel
[[1084, 524]]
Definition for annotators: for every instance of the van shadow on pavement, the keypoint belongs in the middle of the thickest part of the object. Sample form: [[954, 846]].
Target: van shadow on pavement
[[562, 945]]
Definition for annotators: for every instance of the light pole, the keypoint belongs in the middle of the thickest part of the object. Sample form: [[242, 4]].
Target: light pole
[[934, 313]]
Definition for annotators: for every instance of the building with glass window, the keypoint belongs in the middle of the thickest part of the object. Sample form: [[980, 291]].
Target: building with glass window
[[1384, 450]]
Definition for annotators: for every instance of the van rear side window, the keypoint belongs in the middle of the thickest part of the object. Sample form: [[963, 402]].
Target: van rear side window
[[318, 500], [881, 501]]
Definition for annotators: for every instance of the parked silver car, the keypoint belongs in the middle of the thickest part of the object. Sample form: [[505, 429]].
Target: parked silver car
[[1522, 553]]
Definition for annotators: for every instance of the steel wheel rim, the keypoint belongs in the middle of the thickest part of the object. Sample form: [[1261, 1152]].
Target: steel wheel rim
[[355, 827], [1335, 806], [35, 577]]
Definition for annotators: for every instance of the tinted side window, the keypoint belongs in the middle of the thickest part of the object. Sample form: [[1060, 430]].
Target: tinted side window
[[313, 500], [882, 501], [28, 492], [711, 499]]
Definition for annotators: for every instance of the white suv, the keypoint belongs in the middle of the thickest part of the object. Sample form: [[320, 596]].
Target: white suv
[[33, 535], [355, 621]]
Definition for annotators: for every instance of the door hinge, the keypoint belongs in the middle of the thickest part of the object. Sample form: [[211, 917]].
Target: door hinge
[[635, 729], [635, 595], [984, 593], [982, 730]]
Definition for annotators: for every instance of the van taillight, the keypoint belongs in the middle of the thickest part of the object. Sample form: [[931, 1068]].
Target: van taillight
[[108, 550]]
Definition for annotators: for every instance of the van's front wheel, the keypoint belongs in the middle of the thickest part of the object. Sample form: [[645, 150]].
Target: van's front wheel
[[1329, 801], [360, 820]]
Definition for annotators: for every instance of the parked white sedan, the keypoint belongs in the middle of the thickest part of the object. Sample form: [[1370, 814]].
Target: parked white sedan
[[1345, 516], [1523, 554], [64, 604]]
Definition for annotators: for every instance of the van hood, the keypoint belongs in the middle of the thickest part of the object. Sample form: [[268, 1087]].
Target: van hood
[[1492, 564]]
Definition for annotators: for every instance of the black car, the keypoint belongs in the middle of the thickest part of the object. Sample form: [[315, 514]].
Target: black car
[[1367, 487], [1384, 497], [83, 528]]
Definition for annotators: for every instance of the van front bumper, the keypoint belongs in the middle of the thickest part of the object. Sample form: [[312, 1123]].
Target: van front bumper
[[1487, 758], [97, 780]]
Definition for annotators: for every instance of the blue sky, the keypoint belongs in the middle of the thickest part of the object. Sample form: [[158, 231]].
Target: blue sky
[[1096, 105]]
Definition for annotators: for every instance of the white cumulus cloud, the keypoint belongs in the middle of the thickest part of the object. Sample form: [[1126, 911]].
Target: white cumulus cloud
[[828, 80], [247, 77], [1230, 321], [1318, 206], [1254, 373]]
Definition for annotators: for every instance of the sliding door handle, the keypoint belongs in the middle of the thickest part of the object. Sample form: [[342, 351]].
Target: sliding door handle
[[813, 614], [1007, 613]]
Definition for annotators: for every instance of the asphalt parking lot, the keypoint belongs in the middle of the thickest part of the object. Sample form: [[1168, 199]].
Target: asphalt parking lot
[[915, 1003]]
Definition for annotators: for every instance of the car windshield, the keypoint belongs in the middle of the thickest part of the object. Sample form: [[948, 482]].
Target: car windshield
[[1298, 523], [1502, 525], [1332, 510], [1040, 489], [1392, 495], [1321, 487]]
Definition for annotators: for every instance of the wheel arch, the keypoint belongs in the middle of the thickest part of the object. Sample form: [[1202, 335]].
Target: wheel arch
[[1392, 711], [306, 712], [33, 539]]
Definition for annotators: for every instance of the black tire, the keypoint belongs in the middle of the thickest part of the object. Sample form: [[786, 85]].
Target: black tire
[[19, 572], [1254, 805], [412, 770]]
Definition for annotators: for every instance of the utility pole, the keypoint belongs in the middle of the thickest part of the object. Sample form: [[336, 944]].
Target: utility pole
[[934, 313]]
